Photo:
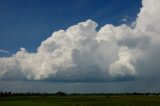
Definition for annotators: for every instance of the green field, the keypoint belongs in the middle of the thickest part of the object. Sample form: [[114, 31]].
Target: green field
[[80, 101]]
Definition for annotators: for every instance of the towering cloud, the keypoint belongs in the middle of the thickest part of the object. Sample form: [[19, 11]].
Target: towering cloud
[[81, 53]]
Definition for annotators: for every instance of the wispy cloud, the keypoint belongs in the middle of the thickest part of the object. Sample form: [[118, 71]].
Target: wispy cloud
[[123, 20], [4, 51]]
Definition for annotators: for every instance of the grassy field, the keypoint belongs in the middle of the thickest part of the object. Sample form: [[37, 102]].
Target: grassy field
[[80, 101]]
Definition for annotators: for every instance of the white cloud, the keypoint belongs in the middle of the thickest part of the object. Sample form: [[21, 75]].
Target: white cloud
[[4, 51], [81, 53], [124, 20]]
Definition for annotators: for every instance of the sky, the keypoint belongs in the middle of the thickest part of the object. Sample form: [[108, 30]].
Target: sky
[[26, 23], [79, 45]]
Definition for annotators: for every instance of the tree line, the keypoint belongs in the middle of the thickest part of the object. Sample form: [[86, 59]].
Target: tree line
[[60, 93]]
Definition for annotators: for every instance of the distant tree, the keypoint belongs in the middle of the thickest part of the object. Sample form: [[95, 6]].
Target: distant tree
[[59, 93]]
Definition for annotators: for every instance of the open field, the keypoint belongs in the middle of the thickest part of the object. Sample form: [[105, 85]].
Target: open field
[[80, 101]]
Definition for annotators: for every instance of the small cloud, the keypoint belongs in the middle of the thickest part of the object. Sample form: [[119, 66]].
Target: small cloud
[[4, 51], [123, 20], [126, 19]]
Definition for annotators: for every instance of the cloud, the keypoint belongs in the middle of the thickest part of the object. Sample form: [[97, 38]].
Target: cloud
[[124, 20], [127, 20], [81, 53], [4, 51]]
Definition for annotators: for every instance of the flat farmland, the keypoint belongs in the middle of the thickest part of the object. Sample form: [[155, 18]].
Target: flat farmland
[[80, 101]]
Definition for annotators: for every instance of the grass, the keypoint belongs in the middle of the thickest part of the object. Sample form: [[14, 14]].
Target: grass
[[80, 101]]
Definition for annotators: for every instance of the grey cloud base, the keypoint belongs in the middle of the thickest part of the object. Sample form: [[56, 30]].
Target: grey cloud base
[[81, 53]]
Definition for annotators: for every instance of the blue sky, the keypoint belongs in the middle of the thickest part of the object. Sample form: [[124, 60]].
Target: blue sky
[[26, 23]]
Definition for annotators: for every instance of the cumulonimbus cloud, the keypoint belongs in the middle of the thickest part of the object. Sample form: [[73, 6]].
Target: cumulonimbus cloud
[[82, 53]]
